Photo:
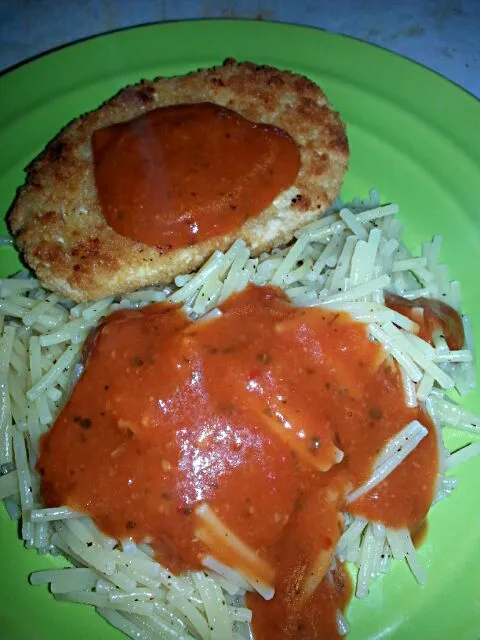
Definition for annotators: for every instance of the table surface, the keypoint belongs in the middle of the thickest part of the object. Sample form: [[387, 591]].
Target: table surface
[[443, 35]]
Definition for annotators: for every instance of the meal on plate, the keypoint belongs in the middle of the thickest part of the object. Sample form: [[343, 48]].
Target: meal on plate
[[223, 391]]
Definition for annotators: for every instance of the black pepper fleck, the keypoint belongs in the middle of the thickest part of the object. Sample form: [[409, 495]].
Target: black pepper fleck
[[85, 423]]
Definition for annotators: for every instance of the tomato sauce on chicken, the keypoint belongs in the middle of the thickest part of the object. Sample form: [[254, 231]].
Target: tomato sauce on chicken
[[182, 174]]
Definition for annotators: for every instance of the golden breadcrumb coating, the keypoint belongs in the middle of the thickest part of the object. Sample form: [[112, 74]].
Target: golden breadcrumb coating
[[57, 220]]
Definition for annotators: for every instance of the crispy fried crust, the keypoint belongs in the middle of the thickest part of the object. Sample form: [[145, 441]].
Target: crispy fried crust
[[57, 219]]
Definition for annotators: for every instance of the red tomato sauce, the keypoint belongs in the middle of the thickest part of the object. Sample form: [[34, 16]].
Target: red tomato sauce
[[269, 415], [431, 315], [182, 174]]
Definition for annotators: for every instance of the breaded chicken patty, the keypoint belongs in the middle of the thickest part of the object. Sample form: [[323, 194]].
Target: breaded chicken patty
[[57, 220]]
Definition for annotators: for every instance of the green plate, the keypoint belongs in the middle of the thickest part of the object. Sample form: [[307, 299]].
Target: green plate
[[413, 135]]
